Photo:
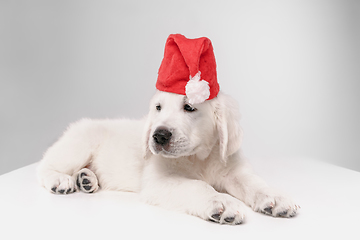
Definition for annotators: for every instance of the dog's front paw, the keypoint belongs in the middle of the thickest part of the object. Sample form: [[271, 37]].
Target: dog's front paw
[[275, 204], [225, 209]]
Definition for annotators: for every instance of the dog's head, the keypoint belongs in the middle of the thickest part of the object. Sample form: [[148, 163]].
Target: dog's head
[[175, 128]]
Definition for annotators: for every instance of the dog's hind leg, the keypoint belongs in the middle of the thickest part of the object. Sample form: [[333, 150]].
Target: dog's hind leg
[[58, 169], [87, 181]]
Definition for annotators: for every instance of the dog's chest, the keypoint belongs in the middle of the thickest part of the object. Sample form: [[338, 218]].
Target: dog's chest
[[193, 168]]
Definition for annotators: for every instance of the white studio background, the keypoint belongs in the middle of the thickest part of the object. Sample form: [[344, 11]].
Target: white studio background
[[293, 66]]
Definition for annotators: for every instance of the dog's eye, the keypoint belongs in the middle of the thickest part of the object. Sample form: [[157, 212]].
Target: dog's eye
[[189, 108], [158, 107]]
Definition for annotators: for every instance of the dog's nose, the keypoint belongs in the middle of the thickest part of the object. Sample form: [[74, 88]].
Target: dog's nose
[[162, 136]]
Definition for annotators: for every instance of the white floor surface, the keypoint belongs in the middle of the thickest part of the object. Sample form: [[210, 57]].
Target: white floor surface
[[329, 197]]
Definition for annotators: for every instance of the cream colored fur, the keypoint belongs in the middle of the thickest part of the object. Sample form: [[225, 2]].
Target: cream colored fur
[[202, 172]]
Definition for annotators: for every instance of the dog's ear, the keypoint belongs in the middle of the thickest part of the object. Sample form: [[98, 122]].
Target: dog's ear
[[227, 123], [145, 138]]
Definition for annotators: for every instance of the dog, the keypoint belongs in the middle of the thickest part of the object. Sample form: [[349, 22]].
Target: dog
[[181, 156]]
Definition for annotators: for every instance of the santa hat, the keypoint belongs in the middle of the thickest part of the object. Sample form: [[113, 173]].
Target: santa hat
[[188, 68]]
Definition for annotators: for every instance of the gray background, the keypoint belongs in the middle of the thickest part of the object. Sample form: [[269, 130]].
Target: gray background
[[293, 66]]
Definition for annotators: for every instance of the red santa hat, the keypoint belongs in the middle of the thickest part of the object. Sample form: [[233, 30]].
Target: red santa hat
[[188, 68]]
